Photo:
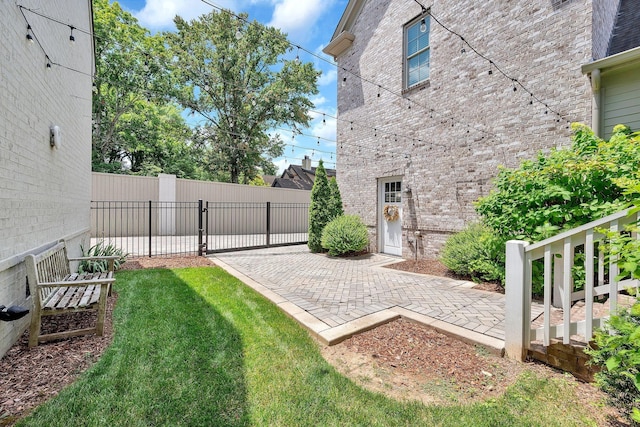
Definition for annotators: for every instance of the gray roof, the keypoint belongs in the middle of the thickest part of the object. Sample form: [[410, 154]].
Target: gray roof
[[299, 178], [626, 31]]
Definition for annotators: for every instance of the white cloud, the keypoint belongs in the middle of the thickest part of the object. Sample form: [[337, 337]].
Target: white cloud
[[296, 17], [318, 101], [327, 77], [159, 14], [281, 164]]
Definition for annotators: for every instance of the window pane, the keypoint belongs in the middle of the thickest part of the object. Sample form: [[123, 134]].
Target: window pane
[[398, 186], [393, 186], [386, 198], [414, 77], [413, 32], [398, 198], [412, 48], [423, 41], [386, 187]]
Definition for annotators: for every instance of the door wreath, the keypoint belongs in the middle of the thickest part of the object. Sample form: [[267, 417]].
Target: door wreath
[[391, 213]]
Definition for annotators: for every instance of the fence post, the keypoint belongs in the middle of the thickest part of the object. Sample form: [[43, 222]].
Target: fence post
[[149, 228], [517, 301], [200, 230], [268, 223]]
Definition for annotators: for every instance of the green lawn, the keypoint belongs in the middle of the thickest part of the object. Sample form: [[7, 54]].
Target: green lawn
[[196, 347]]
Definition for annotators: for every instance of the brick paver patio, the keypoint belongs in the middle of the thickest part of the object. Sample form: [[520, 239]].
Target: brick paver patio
[[338, 291]]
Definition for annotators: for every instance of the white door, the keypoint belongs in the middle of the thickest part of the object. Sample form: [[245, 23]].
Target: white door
[[390, 214]]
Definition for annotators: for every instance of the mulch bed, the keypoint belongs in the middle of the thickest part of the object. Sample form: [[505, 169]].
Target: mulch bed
[[434, 267]]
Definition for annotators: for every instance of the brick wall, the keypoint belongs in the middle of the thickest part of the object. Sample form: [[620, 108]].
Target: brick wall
[[44, 192], [448, 167]]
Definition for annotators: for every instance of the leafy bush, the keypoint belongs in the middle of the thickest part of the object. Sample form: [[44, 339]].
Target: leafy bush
[[319, 213], [476, 252], [345, 234], [617, 351], [566, 188], [98, 250]]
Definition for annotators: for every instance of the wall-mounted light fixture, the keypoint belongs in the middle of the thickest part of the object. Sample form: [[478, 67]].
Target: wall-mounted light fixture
[[54, 136]]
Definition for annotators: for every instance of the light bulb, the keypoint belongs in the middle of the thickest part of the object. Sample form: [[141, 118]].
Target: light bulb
[[29, 36], [423, 25], [344, 81]]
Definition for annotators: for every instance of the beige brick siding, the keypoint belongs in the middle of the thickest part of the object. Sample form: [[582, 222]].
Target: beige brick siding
[[541, 45], [44, 192]]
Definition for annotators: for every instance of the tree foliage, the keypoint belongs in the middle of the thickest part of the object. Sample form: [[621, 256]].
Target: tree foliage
[[319, 210], [564, 189], [231, 72], [136, 125], [335, 204]]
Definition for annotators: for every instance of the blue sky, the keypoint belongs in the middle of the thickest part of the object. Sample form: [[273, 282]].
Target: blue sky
[[309, 23]]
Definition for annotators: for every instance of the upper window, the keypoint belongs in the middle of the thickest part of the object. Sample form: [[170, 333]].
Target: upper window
[[416, 48]]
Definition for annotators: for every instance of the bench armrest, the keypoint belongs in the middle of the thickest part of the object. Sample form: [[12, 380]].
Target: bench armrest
[[75, 283]]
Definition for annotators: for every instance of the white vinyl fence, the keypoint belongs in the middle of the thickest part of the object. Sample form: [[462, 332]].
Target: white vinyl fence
[[557, 256]]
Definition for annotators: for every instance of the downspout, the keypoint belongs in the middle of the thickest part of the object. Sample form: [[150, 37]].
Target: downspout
[[595, 109]]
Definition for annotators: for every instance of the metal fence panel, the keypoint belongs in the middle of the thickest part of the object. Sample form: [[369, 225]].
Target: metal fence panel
[[151, 228]]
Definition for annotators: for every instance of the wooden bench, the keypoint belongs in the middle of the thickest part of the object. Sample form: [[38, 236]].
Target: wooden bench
[[55, 290]]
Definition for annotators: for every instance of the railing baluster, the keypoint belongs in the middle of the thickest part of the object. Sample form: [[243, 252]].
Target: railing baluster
[[567, 263], [588, 285], [613, 273], [548, 256]]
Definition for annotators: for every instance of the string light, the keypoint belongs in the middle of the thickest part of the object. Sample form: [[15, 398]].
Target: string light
[[29, 36], [72, 39]]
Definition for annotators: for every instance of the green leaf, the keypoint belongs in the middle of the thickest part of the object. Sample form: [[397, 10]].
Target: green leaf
[[612, 363]]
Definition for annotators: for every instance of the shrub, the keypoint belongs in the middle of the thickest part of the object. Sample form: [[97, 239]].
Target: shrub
[[319, 214], [476, 252], [345, 234], [617, 352], [97, 250], [566, 188]]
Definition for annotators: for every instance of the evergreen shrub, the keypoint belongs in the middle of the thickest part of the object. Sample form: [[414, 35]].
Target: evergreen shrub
[[345, 235], [476, 252]]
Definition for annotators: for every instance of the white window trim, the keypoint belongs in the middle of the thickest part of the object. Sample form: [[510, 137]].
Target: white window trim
[[405, 58]]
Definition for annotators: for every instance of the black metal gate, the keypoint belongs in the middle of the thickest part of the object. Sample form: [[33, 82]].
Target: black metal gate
[[148, 228], [240, 226]]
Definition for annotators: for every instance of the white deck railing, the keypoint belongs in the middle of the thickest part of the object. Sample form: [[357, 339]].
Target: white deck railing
[[557, 254]]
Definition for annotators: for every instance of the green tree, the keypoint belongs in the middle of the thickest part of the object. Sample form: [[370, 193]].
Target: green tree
[[232, 73], [335, 204], [135, 124], [319, 210]]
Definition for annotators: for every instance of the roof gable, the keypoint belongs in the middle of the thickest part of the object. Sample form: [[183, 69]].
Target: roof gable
[[626, 31]]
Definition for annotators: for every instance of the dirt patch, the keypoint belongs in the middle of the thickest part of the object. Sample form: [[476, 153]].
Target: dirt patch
[[173, 262], [434, 267], [408, 361], [29, 377]]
